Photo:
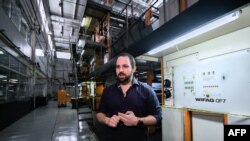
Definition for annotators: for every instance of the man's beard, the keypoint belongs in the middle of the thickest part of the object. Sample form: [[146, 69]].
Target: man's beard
[[124, 80]]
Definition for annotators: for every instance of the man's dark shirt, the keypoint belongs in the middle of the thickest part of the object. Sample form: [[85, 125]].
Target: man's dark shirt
[[140, 99]]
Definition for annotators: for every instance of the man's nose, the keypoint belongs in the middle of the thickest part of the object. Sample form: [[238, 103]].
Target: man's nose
[[120, 69]]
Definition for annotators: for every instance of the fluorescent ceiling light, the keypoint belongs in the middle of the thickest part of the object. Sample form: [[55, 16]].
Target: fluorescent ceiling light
[[198, 31], [39, 52], [81, 43], [63, 55], [92, 60], [1, 52], [82, 52], [13, 80], [3, 76], [147, 58], [86, 22], [121, 20]]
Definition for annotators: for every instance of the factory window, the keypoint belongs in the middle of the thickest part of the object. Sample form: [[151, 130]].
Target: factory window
[[12, 88], [6, 5], [39, 87], [16, 14], [23, 88], [3, 85], [14, 63], [23, 28], [14, 83], [22, 69], [4, 58]]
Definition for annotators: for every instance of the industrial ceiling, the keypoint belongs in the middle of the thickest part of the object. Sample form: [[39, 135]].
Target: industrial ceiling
[[74, 24], [67, 18], [75, 20]]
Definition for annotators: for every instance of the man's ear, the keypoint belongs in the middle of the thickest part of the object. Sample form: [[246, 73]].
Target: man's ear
[[134, 69]]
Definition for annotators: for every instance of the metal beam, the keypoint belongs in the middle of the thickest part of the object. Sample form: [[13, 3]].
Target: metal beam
[[65, 20], [148, 58], [66, 25], [66, 37]]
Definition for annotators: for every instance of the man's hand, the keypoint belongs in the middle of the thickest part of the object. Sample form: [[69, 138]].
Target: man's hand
[[112, 121], [129, 118]]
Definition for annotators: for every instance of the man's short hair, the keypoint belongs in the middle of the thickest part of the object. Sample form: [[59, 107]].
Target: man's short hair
[[131, 58]]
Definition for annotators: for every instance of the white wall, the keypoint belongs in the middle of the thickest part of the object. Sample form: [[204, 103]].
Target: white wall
[[172, 124], [207, 127], [228, 57], [216, 70]]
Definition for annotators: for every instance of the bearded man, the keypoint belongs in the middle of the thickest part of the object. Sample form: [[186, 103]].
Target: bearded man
[[128, 106]]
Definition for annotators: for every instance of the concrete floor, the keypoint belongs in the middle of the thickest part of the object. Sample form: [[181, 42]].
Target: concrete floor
[[49, 123]]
